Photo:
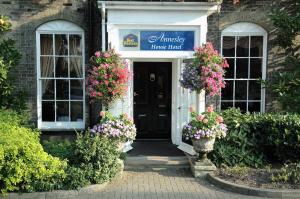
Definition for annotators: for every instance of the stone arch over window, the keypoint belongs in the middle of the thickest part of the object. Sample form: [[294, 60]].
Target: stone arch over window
[[60, 76], [244, 45]]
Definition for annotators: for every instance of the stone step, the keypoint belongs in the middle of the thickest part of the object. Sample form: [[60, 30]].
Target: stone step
[[156, 161]]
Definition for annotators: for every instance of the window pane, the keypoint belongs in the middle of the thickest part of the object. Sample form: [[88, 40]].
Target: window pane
[[75, 45], [48, 111], [62, 111], [47, 89], [76, 67], [61, 45], [254, 106], [242, 106], [76, 89], [76, 111], [62, 89], [47, 67], [241, 90], [242, 68], [256, 49], [61, 67], [230, 71], [254, 90], [226, 105], [227, 92], [228, 46], [242, 47], [46, 44], [255, 68]]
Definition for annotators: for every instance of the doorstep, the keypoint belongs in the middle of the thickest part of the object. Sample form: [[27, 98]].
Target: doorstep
[[156, 162]]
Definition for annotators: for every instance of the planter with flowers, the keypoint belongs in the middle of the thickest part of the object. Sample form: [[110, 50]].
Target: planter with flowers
[[120, 128], [203, 129], [108, 78], [204, 74]]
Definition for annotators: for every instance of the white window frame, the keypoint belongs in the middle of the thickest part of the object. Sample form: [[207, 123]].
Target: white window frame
[[68, 28], [247, 29]]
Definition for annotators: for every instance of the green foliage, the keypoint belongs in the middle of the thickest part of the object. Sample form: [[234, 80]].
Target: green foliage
[[279, 135], [286, 83], [92, 159], [76, 178], [254, 139], [9, 58], [5, 25], [289, 173], [97, 156], [240, 146], [286, 86], [24, 166], [286, 18], [63, 149], [14, 118]]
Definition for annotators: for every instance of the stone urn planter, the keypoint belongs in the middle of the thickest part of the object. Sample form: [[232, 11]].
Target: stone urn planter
[[125, 146], [203, 146]]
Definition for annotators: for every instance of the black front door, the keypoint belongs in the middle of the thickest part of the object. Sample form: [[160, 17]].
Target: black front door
[[152, 99]]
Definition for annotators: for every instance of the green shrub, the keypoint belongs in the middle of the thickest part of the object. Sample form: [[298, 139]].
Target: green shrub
[[289, 173], [240, 146], [92, 159], [14, 118], [24, 166], [61, 148], [97, 157], [279, 135], [254, 139]]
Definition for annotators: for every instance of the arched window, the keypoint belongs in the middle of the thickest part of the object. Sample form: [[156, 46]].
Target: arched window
[[244, 46], [60, 76]]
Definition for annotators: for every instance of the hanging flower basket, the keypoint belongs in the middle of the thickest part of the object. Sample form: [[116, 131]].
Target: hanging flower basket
[[206, 71], [108, 78]]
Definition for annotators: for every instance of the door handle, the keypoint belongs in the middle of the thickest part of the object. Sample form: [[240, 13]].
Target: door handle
[[135, 94]]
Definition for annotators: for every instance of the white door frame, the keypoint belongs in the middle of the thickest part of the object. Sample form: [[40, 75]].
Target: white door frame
[[175, 134]]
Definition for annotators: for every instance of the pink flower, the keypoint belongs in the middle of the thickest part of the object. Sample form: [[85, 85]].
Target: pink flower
[[200, 117], [97, 54], [219, 119], [210, 109], [205, 121], [102, 113], [106, 55]]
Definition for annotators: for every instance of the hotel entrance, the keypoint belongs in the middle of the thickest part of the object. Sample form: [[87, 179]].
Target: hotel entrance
[[152, 99]]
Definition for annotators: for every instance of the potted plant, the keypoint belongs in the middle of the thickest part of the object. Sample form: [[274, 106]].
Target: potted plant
[[203, 129], [108, 78], [120, 128]]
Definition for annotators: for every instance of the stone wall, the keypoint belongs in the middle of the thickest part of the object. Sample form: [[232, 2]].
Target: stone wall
[[27, 15]]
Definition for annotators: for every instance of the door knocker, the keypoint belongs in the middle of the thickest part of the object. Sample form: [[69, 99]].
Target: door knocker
[[152, 77]]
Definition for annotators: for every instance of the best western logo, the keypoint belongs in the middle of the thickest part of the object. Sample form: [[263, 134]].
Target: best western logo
[[130, 40]]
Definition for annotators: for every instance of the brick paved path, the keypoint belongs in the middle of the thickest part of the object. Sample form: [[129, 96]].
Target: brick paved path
[[167, 183]]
